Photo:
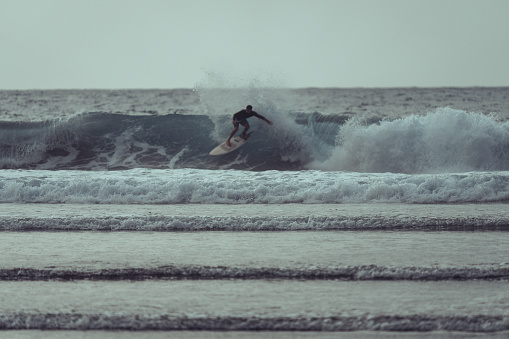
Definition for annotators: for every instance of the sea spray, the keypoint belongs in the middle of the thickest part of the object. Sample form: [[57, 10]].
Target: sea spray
[[446, 140]]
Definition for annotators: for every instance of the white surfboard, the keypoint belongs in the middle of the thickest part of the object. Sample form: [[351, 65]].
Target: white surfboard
[[236, 143]]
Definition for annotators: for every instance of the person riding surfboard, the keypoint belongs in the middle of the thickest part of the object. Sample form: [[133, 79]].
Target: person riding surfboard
[[240, 118]]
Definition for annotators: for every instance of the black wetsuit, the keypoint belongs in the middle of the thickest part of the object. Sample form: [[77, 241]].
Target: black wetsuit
[[241, 116]]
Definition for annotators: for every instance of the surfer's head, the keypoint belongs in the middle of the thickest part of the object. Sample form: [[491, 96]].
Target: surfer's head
[[249, 108]]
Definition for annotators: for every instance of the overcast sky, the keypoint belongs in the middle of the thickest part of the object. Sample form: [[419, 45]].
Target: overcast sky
[[289, 43]]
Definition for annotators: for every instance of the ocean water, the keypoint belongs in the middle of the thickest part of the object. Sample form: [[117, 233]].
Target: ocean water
[[360, 212]]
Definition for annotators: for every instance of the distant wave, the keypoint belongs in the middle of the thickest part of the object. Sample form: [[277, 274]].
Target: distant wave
[[446, 140]]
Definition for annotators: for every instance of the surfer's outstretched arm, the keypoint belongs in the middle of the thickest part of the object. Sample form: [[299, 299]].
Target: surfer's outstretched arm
[[262, 117]]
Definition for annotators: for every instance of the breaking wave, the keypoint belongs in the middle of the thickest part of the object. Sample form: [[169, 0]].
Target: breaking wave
[[445, 140]]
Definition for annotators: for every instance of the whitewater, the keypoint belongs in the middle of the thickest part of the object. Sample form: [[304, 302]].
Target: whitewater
[[365, 211]]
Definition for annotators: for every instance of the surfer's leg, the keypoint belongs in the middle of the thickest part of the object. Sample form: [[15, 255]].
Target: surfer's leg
[[246, 127], [231, 135]]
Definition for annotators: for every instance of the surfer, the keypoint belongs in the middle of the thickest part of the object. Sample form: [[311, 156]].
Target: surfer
[[240, 118]]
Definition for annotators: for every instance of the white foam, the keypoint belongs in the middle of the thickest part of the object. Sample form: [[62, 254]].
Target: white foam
[[446, 140], [144, 186]]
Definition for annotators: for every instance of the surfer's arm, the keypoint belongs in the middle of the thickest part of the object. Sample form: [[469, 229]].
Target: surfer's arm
[[262, 117]]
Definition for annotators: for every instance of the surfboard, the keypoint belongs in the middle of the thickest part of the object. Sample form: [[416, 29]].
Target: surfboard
[[236, 142]]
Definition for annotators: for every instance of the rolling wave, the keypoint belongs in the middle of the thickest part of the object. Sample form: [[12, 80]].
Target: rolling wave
[[446, 140]]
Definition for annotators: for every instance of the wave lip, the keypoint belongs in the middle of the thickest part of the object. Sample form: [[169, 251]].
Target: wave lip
[[367, 322], [355, 273]]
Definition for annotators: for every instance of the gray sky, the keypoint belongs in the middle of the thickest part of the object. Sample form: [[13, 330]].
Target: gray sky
[[288, 43]]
